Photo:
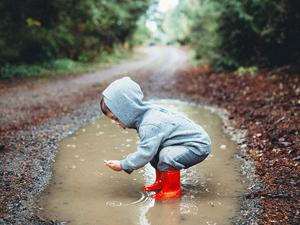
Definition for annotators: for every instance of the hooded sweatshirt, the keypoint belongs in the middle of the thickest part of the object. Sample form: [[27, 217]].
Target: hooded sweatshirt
[[157, 127]]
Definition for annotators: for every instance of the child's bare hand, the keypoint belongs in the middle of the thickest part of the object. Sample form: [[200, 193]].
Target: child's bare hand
[[113, 164]]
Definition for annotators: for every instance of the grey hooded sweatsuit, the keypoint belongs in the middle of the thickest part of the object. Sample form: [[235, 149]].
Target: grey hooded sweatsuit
[[168, 140]]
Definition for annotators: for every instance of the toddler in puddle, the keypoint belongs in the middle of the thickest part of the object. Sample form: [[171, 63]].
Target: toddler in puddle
[[168, 140]]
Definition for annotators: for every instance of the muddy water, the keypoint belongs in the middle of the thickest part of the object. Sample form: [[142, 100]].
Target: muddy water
[[84, 191]]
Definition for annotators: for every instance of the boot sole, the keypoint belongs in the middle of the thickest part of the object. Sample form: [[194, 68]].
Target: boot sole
[[166, 195]]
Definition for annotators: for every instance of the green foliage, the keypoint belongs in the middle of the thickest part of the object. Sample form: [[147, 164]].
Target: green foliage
[[195, 22], [23, 70], [59, 66], [64, 66], [36, 31], [249, 70], [265, 33], [204, 28], [230, 33], [141, 34]]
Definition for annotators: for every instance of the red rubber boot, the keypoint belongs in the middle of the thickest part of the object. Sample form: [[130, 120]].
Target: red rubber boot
[[170, 185], [156, 185]]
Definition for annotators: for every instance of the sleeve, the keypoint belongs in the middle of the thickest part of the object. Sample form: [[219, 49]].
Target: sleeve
[[150, 140]]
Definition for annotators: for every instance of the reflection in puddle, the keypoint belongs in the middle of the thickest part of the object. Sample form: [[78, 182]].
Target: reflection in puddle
[[84, 191]]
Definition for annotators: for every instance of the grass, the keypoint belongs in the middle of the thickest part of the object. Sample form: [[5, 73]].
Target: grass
[[64, 66]]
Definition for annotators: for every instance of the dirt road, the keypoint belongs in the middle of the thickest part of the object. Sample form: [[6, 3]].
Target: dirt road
[[35, 115], [29, 102]]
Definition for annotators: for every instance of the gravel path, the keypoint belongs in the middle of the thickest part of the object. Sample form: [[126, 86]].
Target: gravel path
[[36, 115], [30, 100]]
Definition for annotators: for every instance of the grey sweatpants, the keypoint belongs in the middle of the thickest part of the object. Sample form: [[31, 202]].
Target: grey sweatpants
[[179, 157]]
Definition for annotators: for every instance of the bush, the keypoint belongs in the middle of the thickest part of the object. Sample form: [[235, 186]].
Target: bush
[[230, 33], [36, 31], [23, 70]]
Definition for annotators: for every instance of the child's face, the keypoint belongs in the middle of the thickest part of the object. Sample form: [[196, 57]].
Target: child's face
[[113, 117], [109, 114]]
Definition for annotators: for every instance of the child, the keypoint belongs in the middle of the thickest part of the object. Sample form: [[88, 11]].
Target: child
[[168, 140]]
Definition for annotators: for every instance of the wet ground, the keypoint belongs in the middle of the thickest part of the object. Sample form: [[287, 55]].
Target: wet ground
[[84, 191], [267, 106], [37, 115]]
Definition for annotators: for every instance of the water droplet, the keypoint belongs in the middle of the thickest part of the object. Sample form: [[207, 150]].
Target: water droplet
[[73, 167], [128, 140], [188, 208], [83, 130], [99, 133], [76, 156], [210, 223], [113, 204], [222, 146]]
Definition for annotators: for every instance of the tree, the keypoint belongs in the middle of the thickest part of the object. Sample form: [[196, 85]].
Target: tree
[[34, 31]]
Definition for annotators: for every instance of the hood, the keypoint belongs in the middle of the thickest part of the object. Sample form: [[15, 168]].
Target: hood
[[124, 98]]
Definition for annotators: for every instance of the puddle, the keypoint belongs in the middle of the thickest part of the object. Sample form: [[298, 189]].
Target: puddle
[[84, 191]]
